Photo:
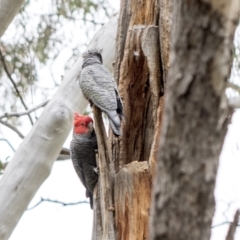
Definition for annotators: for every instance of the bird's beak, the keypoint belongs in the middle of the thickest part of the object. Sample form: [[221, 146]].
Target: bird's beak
[[90, 126]]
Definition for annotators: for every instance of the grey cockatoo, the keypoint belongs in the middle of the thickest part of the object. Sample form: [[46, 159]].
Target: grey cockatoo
[[83, 153], [99, 87]]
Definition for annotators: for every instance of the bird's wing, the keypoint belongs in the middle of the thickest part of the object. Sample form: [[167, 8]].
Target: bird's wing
[[77, 162], [119, 107], [98, 86]]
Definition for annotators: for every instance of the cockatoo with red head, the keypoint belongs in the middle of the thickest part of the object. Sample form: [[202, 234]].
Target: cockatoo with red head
[[83, 153]]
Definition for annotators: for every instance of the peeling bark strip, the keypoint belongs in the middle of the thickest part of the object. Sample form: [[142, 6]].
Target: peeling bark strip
[[195, 120], [165, 27], [154, 149], [132, 194], [104, 220]]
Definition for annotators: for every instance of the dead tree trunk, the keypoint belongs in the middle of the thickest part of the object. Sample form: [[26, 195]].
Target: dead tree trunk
[[195, 119], [127, 163]]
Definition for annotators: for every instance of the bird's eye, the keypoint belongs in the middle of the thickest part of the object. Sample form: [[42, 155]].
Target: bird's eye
[[82, 124]]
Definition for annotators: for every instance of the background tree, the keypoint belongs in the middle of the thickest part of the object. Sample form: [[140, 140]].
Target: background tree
[[196, 117]]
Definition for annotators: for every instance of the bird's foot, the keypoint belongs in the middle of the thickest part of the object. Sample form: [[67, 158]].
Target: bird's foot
[[91, 103]]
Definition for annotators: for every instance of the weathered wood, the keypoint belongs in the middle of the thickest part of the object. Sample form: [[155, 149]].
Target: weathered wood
[[140, 88], [132, 193], [138, 70], [165, 29], [195, 119], [155, 145], [105, 220], [97, 219]]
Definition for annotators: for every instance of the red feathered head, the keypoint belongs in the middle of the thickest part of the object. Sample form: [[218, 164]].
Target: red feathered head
[[82, 124]]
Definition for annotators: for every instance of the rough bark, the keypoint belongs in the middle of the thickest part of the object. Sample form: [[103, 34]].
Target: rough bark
[[139, 79], [104, 222], [138, 70], [33, 161], [8, 10], [195, 119], [132, 189]]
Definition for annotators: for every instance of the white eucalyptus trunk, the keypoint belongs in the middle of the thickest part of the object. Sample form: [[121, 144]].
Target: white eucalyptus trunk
[[8, 10], [33, 161]]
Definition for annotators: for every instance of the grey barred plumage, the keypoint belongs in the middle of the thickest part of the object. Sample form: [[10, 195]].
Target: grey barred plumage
[[99, 87], [83, 149]]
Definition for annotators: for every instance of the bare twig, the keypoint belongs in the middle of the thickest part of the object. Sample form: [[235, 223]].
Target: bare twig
[[64, 154], [58, 202], [222, 223], [9, 144], [224, 213], [233, 86], [233, 226], [16, 114], [234, 102], [14, 84], [11, 126]]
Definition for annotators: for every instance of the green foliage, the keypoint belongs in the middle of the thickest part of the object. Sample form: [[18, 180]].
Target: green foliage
[[38, 35]]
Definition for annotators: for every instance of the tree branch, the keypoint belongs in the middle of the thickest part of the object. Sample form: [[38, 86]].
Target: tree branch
[[14, 84], [233, 226], [223, 223], [64, 154], [233, 86], [9, 144], [16, 114], [234, 102], [12, 127], [58, 202]]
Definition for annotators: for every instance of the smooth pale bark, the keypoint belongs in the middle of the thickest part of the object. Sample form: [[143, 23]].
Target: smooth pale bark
[[195, 119], [33, 161], [8, 10]]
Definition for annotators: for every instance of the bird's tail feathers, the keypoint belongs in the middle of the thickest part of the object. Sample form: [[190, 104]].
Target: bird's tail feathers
[[115, 122], [120, 114], [116, 130], [119, 106], [90, 196]]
